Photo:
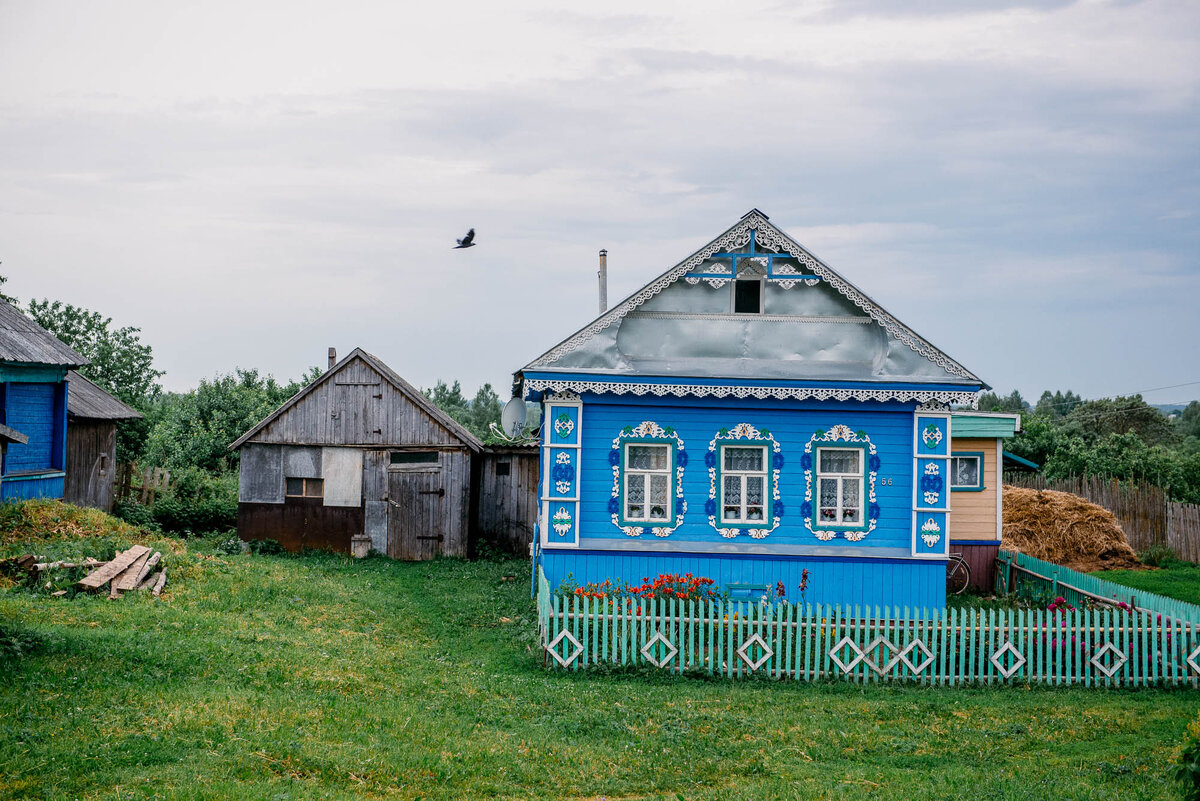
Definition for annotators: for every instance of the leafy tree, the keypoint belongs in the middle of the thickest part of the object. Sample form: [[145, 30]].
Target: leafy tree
[[1096, 419], [1188, 422], [195, 428], [1013, 402], [1039, 438], [1057, 404], [475, 414], [119, 361], [7, 298]]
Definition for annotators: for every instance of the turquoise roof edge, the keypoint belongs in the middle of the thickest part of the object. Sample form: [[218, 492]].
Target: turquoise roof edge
[[983, 424]]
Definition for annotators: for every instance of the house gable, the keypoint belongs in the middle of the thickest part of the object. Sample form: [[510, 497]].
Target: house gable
[[360, 401], [812, 325]]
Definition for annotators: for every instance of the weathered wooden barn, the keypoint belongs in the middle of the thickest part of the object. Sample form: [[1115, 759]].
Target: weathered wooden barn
[[91, 467], [33, 402], [361, 460]]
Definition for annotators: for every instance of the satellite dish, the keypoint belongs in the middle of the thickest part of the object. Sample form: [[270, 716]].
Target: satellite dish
[[512, 419]]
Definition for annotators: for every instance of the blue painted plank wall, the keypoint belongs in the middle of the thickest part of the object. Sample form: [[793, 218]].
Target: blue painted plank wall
[[31, 409], [873, 582], [890, 427], [41, 487]]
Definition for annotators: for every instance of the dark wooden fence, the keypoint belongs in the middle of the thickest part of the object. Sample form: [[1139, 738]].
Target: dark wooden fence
[[1144, 511], [143, 485]]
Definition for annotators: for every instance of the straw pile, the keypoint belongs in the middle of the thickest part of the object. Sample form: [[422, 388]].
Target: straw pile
[[1065, 529]]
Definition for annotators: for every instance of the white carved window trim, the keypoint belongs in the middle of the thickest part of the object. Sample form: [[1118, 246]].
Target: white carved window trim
[[646, 474], [858, 477], [743, 476]]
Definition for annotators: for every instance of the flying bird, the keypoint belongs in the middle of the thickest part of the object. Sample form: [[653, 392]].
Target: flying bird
[[467, 241]]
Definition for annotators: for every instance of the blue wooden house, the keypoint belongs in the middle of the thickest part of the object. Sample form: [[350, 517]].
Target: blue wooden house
[[748, 415], [33, 402]]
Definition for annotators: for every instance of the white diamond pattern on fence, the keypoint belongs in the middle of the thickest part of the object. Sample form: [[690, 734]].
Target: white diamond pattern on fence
[[1118, 661], [916, 645], [881, 643], [648, 650], [572, 655], [835, 653], [744, 651], [1017, 662], [1191, 660]]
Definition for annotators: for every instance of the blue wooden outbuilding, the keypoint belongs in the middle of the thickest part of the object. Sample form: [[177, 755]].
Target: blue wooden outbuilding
[[746, 416], [33, 402]]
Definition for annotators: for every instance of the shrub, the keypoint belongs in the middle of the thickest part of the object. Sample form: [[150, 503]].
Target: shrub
[[266, 547], [135, 514], [1188, 771], [1158, 556], [187, 517], [231, 546]]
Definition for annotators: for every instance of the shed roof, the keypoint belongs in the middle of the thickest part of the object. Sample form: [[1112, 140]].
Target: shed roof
[[414, 395], [23, 341], [86, 401], [984, 424], [814, 324], [12, 435]]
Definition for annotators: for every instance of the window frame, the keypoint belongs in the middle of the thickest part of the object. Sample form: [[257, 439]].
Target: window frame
[[762, 291], [668, 471], [863, 476], [767, 493], [304, 487], [981, 486]]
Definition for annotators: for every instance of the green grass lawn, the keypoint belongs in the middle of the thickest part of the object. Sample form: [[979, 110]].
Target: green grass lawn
[[1179, 580], [260, 677]]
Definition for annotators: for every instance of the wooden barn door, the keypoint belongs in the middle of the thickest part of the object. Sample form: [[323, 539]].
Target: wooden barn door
[[416, 518]]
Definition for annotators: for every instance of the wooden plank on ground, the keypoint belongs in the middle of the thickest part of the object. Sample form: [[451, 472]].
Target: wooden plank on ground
[[127, 580], [162, 580], [101, 576], [133, 583]]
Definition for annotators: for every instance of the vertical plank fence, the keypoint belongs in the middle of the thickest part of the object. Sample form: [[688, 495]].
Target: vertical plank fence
[[1146, 515], [1090, 647]]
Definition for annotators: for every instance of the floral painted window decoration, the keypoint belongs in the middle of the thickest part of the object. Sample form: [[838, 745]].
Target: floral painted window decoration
[[840, 468], [647, 460], [743, 482]]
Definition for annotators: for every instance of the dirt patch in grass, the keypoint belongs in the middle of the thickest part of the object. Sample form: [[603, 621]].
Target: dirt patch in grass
[[1065, 529]]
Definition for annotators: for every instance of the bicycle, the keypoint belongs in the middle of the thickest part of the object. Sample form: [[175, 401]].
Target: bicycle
[[958, 574]]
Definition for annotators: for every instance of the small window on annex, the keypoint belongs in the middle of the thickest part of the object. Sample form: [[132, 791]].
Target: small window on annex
[[966, 472], [304, 487], [744, 485], [840, 487], [747, 296], [414, 457], [647, 485]]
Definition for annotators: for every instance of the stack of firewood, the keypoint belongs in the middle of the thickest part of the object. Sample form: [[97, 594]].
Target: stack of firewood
[[129, 570]]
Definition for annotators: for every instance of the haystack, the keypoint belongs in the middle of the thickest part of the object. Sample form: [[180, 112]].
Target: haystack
[[1065, 529]]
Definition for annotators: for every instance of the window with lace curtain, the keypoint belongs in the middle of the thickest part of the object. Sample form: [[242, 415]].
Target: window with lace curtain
[[744, 485], [840, 487], [647, 485]]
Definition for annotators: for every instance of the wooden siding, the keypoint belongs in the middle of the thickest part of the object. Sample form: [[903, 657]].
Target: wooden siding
[[91, 463], [973, 514], [508, 505], [982, 561], [30, 409], [300, 523], [792, 424], [356, 407], [915, 583], [453, 523]]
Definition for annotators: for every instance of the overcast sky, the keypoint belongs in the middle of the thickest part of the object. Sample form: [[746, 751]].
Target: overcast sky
[[253, 182]]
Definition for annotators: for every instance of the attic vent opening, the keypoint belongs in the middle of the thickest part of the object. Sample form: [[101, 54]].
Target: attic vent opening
[[747, 296]]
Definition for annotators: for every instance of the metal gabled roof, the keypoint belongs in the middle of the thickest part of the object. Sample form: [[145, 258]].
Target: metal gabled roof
[[830, 329], [22, 341], [87, 401], [414, 395]]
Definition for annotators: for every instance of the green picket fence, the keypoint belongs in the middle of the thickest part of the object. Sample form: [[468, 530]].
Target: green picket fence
[[1022, 574], [1090, 647]]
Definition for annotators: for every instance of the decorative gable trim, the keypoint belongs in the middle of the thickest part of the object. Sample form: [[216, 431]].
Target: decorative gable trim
[[771, 238], [923, 396]]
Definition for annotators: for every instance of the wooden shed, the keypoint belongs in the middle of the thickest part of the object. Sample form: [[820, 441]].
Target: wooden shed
[[91, 467], [361, 460], [508, 497]]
